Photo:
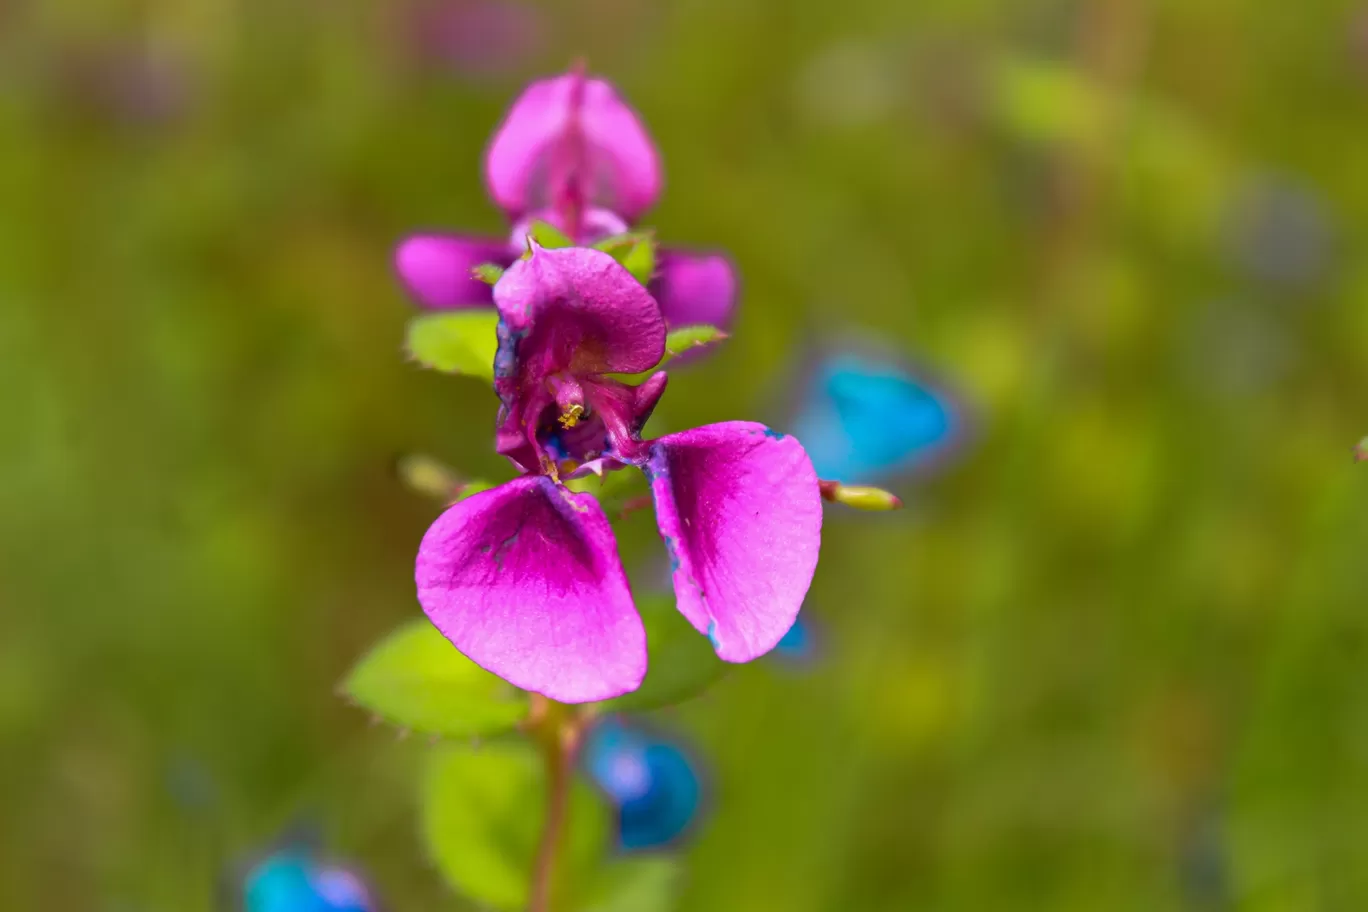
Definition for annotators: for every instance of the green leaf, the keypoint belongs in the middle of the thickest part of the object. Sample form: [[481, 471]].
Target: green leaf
[[548, 235], [489, 273], [482, 816], [649, 883], [682, 661], [689, 337], [636, 251], [679, 341], [415, 678], [459, 342]]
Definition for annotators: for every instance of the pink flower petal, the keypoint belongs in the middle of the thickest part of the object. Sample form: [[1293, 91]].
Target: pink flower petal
[[741, 515], [572, 128], [575, 309], [435, 268], [525, 580], [695, 288]]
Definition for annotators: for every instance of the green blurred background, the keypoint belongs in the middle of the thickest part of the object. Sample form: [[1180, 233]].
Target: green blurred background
[[1112, 658]]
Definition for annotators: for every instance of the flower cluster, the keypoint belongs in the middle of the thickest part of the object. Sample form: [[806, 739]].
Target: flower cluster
[[525, 578], [572, 154]]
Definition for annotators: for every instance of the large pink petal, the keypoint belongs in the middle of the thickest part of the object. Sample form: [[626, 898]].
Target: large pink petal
[[741, 515], [574, 309], [575, 128], [435, 268], [526, 581], [695, 288]]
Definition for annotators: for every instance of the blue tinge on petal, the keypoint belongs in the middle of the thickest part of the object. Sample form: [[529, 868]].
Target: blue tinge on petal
[[864, 420], [292, 881], [651, 782]]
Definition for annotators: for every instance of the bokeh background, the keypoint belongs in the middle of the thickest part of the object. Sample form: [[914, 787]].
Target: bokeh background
[[1111, 657]]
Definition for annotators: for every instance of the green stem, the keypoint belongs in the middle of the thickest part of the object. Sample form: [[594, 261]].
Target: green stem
[[556, 728]]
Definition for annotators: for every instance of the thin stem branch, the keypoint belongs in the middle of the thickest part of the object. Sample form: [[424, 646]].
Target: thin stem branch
[[557, 729]]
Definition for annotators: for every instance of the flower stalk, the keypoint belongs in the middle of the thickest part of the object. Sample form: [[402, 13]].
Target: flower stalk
[[557, 729]]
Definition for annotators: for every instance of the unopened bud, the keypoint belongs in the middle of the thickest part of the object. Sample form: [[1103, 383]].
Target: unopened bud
[[431, 478], [489, 273], [1361, 450], [860, 497]]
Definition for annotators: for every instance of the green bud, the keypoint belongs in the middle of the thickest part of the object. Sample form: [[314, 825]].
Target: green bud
[[860, 497], [489, 273]]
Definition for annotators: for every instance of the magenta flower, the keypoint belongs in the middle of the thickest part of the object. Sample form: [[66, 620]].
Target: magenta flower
[[525, 578], [571, 153]]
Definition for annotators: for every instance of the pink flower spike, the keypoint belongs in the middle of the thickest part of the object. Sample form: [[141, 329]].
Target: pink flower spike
[[525, 580], [572, 135], [436, 269], [740, 512]]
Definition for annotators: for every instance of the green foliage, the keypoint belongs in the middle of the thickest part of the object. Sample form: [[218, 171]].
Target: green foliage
[[482, 816], [416, 679], [648, 883], [679, 341], [682, 661], [459, 342], [687, 338], [636, 251], [1044, 101]]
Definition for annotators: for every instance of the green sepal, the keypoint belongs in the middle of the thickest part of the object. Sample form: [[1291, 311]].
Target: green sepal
[[636, 251], [547, 235], [455, 342], [416, 679]]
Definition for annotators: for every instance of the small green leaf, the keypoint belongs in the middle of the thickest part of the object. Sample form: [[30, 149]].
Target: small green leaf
[[636, 251], [416, 679], [679, 341], [682, 661], [689, 337], [458, 342], [649, 883], [489, 273], [548, 235], [482, 816]]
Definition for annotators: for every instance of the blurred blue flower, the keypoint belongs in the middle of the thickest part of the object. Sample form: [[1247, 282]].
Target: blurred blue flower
[[1279, 232], [799, 645], [291, 880], [650, 781], [866, 418]]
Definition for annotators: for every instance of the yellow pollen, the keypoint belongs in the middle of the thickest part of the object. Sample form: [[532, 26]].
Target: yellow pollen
[[571, 416]]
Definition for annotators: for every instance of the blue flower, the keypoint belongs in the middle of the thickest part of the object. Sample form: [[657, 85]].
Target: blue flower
[[866, 418], [291, 880], [799, 644], [650, 781]]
